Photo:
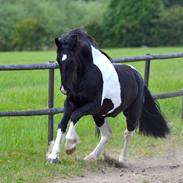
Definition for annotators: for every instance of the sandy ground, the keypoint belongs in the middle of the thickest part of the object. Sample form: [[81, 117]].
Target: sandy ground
[[164, 169]]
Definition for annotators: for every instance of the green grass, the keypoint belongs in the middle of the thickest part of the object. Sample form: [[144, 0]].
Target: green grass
[[23, 140]]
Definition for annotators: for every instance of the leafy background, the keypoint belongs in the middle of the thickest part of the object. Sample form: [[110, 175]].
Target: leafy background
[[33, 25]]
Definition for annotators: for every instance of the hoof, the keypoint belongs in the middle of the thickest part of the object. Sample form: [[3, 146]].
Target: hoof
[[123, 163], [90, 157], [70, 145], [53, 158], [70, 151], [114, 162], [53, 161]]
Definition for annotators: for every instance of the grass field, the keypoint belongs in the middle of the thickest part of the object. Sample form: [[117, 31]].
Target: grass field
[[23, 140]]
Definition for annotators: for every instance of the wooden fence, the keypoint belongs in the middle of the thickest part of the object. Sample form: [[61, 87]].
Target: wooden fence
[[51, 66]]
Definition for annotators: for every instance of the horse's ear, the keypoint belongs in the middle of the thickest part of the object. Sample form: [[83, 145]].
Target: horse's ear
[[57, 43]]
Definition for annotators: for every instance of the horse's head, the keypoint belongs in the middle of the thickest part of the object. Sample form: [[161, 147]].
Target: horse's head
[[74, 57]]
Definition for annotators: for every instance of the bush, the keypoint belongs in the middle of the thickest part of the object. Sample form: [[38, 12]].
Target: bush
[[113, 23], [169, 27], [130, 23], [30, 34], [9, 17], [35, 24]]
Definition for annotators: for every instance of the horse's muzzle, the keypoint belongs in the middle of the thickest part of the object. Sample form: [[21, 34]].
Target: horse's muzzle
[[63, 90]]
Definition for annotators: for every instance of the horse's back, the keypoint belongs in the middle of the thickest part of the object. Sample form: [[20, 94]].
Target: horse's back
[[130, 81]]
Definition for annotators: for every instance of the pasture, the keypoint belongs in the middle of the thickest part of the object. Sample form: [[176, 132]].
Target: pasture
[[23, 140]]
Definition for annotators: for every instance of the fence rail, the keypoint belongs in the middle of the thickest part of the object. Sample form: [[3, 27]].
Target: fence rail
[[54, 65], [40, 112], [168, 95], [60, 110], [147, 57], [51, 66]]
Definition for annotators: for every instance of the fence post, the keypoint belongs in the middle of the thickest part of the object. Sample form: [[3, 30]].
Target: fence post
[[147, 71], [50, 103]]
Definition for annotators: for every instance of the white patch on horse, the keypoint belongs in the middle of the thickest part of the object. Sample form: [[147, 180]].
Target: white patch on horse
[[111, 84], [64, 57], [71, 138], [105, 132], [54, 155], [123, 158], [71, 134]]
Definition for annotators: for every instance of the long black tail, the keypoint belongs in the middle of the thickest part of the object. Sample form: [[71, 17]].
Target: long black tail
[[151, 121]]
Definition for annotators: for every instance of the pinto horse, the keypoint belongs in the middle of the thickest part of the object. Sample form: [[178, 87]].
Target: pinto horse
[[94, 86]]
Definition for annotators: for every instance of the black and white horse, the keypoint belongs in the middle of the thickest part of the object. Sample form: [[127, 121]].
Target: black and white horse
[[94, 86]]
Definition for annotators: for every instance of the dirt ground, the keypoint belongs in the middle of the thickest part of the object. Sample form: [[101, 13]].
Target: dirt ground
[[164, 169]]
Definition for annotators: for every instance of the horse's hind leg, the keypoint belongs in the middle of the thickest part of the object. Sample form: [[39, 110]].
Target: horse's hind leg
[[132, 114], [105, 132], [123, 158]]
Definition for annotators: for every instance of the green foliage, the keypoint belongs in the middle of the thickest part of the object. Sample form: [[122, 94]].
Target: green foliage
[[32, 25], [130, 23], [143, 22], [94, 27], [30, 34], [170, 3], [169, 27], [35, 24], [9, 17]]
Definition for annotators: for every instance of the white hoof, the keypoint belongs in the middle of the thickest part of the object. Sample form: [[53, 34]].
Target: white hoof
[[53, 158], [50, 156], [70, 145], [91, 157], [124, 162]]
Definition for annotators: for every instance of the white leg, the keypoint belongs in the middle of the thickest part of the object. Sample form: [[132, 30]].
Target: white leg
[[71, 139], [105, 132], [53, 157], [123, 158]]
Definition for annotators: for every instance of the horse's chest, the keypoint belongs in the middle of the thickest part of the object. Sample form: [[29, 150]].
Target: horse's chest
[[77, 100], [111, 85]]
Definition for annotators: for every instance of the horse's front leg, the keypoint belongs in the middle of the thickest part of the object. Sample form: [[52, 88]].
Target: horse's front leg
[[53, 156], [54, 152], [71, 139], [105, 132]]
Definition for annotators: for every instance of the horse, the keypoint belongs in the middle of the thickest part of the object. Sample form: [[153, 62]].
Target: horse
[[93, 85]]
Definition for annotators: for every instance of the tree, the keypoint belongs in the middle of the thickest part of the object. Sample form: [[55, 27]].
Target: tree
[[169, 27], [28, 21], [130, 23], [9, 17], [30, 34]]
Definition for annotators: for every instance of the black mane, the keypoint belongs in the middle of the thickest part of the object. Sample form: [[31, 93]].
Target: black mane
[[77, 32], [68, 38]]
